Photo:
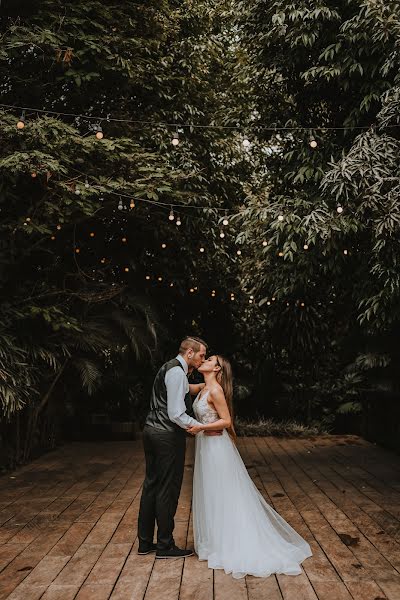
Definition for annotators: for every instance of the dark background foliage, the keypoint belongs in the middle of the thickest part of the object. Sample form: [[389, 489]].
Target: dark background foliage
[[91, 302]]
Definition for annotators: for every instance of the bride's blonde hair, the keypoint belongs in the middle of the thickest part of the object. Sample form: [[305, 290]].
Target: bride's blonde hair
[[225, 379]]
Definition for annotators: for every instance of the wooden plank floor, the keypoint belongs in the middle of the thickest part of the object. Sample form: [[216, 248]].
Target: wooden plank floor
[[68, 524]]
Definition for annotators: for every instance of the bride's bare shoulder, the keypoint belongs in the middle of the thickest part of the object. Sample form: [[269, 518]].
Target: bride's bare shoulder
[[215, 392]]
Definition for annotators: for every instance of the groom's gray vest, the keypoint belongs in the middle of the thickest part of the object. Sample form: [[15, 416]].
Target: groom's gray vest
[[158, 414]]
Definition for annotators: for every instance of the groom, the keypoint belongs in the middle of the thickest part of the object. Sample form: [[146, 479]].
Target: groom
[[164, 441]]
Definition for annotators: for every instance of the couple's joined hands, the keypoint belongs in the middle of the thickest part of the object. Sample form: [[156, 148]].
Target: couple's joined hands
[[195, 429]]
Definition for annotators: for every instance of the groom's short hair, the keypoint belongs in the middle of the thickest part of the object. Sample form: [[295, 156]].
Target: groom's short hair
[[191, 342]]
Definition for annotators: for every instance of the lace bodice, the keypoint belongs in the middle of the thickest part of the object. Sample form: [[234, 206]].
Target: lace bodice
[[203, 410]]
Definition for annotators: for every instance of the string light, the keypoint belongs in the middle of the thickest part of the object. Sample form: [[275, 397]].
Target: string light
[[175, 139], [86, 183], [225, 222], [188, 125], [33, 174], [28, 219], [246, 142], [132, 204], [126, 269], [120, 205], [77, 250], [191, 290], [53, 237], [268, 303], [171, 215], [238, 252], [202, 249], [302, 304], [159, 278], [99, 131], [171, 284], [163, 245], [265, 243], [103, 260], [58, 226], [123, 240], [280, 254], [313, 142], [345, 252], [280, 217], [273, 299], [92, 234], [21, 122], [339, 209], [147, 277], [305, 246], [178, 221], [222, 234]]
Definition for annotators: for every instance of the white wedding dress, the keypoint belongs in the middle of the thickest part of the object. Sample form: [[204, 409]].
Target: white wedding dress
[[234, 528]]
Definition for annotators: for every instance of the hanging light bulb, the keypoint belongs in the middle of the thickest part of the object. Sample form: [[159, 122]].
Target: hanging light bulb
[[126, 269], [265, 243], [246, 142], [280, 254], [171, 284], [339, 209], [313, 142], [202, 249], [159, 278], [178, 220], [175, 138], [191, 290], [163, 245], [21, 122], [225, 222], [305, 246], [171, 215], [53, 237], [147, 277], [86, 183], [268, 303], [280, 217], [238, 252], [132, 204], [77, 250], [345, 252], [99, 131], [120, 205], [123, 240], [92, 234], [58, 226], [221, 235]]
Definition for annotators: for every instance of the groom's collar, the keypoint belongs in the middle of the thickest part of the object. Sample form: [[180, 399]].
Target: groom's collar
[[183, 363]]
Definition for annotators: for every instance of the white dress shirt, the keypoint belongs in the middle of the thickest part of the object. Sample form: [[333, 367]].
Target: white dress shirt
[[177, 385]]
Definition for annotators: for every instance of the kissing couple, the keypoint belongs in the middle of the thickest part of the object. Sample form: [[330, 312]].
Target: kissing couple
[[234, 528]]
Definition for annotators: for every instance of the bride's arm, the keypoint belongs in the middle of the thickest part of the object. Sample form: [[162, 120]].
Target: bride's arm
[[195, 388], [218, 399]]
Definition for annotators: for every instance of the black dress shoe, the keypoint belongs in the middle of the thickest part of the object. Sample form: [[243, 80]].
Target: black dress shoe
[[146, 548], [174, 552]]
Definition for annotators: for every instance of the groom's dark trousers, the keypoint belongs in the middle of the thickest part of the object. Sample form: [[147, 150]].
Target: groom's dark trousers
[[165, 461], [164, 445]]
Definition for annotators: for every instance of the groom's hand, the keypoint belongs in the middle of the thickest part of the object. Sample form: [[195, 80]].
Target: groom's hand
[[213, 432]]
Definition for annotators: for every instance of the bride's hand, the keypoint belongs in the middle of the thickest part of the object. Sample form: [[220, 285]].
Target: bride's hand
[[194, 429]]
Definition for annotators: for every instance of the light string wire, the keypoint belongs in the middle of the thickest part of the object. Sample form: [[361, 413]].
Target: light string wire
[[243, 128]]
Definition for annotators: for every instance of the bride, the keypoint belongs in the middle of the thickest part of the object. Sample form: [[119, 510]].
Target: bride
[[234, 528]]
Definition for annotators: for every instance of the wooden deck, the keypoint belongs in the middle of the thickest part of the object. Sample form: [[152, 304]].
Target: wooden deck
[[68, 524]]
